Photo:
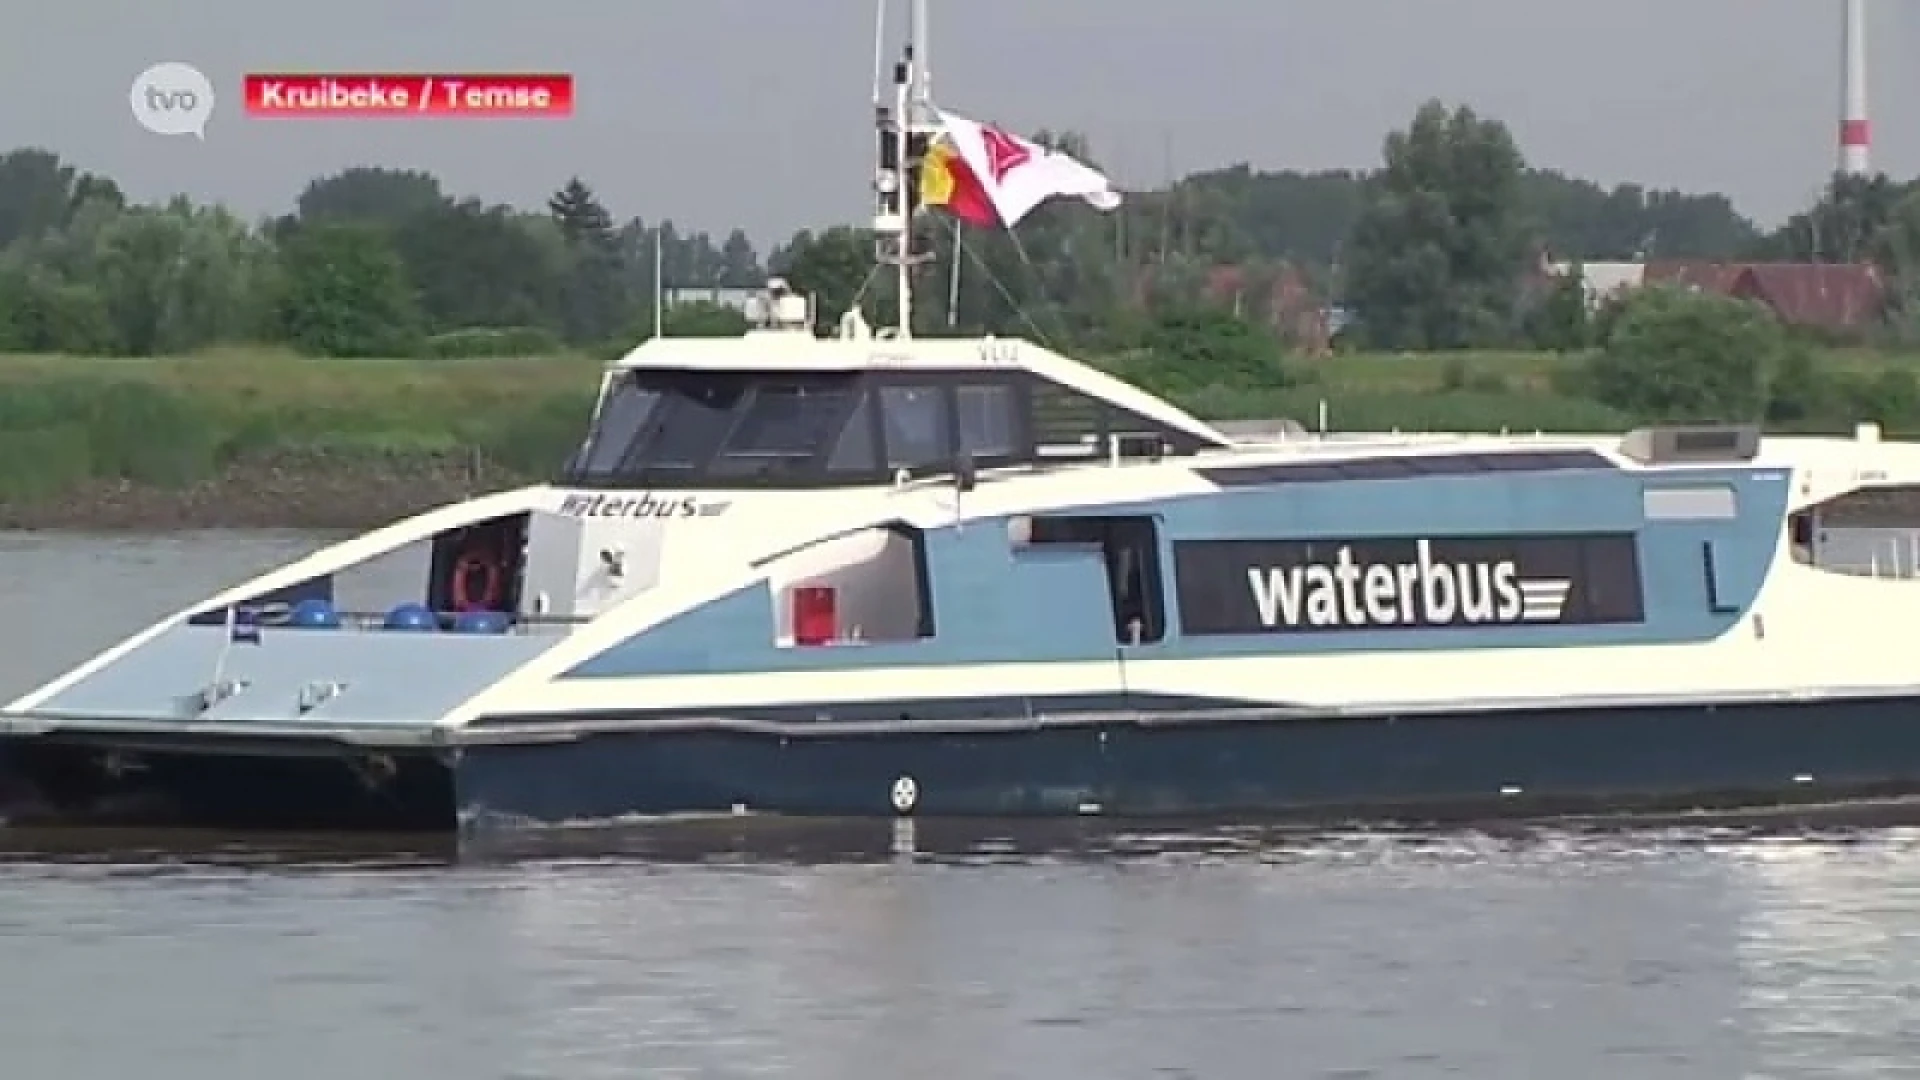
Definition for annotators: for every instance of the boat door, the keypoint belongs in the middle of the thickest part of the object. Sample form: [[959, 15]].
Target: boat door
[[1131, 548]]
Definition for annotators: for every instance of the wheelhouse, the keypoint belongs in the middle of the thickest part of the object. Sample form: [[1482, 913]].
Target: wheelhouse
[[660, 428]]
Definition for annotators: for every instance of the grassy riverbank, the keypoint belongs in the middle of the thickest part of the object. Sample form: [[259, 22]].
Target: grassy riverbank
[[247, 438], [265, 438]]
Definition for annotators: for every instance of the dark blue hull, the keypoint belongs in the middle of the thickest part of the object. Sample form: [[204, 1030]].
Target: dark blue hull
[[1417, 768], [1429, 768]]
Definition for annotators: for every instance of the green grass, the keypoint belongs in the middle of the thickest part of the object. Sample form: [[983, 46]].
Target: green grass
[[271, 378], [449, 390], [1394, 372], [65, 420], [178, 420]]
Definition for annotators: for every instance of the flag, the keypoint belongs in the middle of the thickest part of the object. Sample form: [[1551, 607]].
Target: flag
[[1013, 174], [243, 625], [947, 183]]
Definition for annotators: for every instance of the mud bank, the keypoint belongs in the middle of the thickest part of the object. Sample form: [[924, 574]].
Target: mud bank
[[281, 490]]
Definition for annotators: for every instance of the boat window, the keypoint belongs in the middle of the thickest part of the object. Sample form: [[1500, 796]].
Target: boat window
[[986, 420], [687, 428], [1068, 424], [622, 414], [1389, 468], [783, 428], [915, 418], [856, 451], [692, 423]]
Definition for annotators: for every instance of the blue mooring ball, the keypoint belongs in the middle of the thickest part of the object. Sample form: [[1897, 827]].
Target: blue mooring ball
[[313, 613], [412, 617], [482, 622]]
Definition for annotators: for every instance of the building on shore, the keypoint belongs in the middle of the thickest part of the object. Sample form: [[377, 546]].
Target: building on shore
[[1832, 297]]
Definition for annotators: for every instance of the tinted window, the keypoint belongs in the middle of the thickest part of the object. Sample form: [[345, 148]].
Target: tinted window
[[1389, 468], [687, 428], [783, 427], [915, 418], [1374, 468], [986, 420], [692, 425], [855, 451], [622, 415]]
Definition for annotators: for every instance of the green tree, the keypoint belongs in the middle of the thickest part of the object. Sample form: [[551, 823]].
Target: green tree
[[1561, 320], [703, 318], [478, 265], [1579, 219], [346, 293], [739, 263], [594, 301], [1677, 355], [1438, 254], [582, 220], [39, 312], [835, 267], [40, 193], [1844, 226], [178, 278], [1198, 349], [371, 196]]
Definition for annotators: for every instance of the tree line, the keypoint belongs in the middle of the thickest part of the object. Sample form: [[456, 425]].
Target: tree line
[[385, 261], [1437, 248]]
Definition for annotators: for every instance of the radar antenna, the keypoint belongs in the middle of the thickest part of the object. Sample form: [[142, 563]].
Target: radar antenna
[[905, 129]]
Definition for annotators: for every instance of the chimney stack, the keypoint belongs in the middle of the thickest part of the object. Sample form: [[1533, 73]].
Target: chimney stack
[[1855, 136]]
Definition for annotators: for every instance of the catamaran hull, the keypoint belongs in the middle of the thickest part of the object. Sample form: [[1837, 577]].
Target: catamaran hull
[[1409, 769], [158, 779]]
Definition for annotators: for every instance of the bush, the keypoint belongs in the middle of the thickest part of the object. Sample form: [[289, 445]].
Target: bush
[[492, 342], [1682, 356]]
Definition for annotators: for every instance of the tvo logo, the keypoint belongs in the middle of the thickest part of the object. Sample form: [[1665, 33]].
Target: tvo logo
[[172, 99]]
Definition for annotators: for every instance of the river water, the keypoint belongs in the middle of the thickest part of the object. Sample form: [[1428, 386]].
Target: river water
[[871, 952]]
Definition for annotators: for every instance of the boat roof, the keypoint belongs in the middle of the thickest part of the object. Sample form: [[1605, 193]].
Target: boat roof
[[801, 351]]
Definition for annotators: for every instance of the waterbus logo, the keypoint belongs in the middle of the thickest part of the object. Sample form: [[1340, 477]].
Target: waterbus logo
[[1407, 583], [641, 506], [1346, 592]]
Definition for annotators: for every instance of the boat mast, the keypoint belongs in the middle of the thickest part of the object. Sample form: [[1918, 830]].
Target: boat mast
[[905, 130]]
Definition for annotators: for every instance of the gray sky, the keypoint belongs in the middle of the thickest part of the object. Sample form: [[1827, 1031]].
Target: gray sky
[[756, 112]]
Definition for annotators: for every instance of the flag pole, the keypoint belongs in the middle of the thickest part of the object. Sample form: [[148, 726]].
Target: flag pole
[[904, 126], [953, 280], [903, 178], [659, 288], [916, 118]]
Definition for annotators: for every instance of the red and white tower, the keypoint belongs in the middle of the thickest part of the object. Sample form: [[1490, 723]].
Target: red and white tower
[[1856, 138]]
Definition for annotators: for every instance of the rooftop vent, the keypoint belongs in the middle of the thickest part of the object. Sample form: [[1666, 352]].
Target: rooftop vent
[[1681, 445]]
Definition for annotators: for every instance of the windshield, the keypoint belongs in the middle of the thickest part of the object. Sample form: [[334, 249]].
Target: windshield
[[623, 411], [783, 428], [681, 427]]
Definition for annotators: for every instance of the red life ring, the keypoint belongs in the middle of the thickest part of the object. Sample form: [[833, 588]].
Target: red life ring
[[487, 596]]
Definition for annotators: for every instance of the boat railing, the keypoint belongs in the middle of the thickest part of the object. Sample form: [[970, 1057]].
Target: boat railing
[[416, 618], [1896, 556]]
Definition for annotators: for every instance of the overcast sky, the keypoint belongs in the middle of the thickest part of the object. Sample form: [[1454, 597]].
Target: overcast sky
[[756, 112]]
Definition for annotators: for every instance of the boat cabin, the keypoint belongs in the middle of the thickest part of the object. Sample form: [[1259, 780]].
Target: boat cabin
[[776, 409], [787, 410]]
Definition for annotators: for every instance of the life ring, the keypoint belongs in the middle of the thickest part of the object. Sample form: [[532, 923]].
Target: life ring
[[905, 795], [474, 564]]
